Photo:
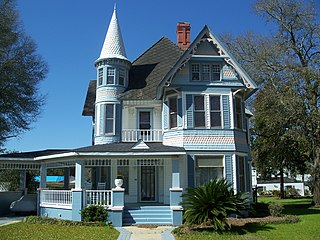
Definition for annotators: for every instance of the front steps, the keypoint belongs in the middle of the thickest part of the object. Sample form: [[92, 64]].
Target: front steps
[[155, 215]]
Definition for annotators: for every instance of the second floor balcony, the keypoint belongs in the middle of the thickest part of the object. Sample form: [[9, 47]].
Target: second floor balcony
[[146, 135]]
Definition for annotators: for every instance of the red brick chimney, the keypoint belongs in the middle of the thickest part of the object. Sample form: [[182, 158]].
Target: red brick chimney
[[183, 35]]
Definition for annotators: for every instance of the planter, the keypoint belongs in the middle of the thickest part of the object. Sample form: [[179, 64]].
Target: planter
[[118, 182]]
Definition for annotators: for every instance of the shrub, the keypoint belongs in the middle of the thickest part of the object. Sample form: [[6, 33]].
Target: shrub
[[94, 213], [292, 192], [275, 209], [211, 203]]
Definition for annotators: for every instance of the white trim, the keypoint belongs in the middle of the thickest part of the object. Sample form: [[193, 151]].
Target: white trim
[[59, 155], [60, 206], [131, 153]]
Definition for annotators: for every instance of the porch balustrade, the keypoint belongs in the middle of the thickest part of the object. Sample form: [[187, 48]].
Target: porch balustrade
[[56, 198], [147, 135], [99, 197]]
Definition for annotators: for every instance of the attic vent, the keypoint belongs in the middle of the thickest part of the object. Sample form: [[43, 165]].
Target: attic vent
[[140, 145]]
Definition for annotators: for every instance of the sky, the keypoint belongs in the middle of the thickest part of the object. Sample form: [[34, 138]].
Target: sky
[[69, 35]]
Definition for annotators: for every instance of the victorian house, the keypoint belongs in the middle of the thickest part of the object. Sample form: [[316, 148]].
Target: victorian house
[[172, 119]]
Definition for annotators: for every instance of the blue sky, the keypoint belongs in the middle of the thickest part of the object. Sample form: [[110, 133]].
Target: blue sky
[[70, 34]]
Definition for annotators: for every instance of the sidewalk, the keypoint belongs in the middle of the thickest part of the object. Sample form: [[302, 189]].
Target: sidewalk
[[9, 220], [146, 233]]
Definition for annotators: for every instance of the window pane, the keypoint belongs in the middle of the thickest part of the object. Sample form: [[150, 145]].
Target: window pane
[[144, 120], [215, 103], [195, 69], [109, 126], [239, 112], [206, 174], [109, 110], [173, 112], [242, 186], [121, 76], [199, 119], [199, 103], [215, 119], [216, 72], [205, 72], [100, 76], [110, 75]]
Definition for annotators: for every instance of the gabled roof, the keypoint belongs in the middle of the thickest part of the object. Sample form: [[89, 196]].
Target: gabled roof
[[113, 46], [206, 35], [148, 69]]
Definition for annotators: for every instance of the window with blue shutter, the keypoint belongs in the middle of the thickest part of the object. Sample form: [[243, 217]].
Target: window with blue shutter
[[226, 111], [228, 168], [165, 115], [189, 108]]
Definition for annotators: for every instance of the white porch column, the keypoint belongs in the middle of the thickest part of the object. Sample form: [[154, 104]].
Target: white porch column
[[43, 176], [79, 175]]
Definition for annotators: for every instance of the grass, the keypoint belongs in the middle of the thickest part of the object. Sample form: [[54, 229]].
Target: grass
[[23, 231], [307, 228]]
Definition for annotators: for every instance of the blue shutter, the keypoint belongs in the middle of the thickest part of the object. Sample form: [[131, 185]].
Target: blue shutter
[[228, 168], [118, 120], [165, 115], [179, 106], [226, 111], [102, 119], [189, 107]]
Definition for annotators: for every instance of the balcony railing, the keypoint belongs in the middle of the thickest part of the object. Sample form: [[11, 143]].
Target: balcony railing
[[147, 135], [99, 197], [56, 198]]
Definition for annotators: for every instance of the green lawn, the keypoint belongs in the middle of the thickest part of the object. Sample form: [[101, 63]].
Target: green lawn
[[23, 231], [307, 228]]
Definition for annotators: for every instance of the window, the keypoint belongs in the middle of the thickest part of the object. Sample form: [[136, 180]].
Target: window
[[208, 168], [199, 111], [109, 124], [173, 112], [110, 75], [241, 174], [121, 76], [100, 76], [238, 113], [215, 111], [205, 75], [195, 68], [215, 72]]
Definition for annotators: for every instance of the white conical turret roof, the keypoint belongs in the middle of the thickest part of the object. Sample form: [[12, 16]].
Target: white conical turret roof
[[113, 46]]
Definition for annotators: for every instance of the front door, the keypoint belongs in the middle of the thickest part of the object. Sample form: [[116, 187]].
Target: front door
[[148, 184], [144, 125]]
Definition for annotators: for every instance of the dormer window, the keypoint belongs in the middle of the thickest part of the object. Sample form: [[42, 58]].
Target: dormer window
[[121, 76], [100, 76], [205, 72], [111, 72]]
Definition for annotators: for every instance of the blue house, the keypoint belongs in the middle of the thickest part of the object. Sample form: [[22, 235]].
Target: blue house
[[173, 118]]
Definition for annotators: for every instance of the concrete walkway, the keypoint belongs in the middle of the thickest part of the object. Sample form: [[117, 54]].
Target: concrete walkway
[[145, 233], [9, 220]]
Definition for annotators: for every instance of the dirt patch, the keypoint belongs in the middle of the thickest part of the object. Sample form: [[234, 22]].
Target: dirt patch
[[240, 222]]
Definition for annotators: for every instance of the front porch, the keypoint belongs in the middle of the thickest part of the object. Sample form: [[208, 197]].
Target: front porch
[[152, 182]]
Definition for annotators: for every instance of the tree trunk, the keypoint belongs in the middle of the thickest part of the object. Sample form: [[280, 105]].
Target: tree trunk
[[282, 195], [316, 177]]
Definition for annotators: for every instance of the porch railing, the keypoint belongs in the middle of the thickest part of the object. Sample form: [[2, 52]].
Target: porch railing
[[56, 198], [99, 197], [147, 135]]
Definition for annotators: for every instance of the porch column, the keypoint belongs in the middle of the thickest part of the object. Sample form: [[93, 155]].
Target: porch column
[[43, 176], [116, 211], [79, 175], [66, 179], [77, 193], [175, 195], [22, 182]]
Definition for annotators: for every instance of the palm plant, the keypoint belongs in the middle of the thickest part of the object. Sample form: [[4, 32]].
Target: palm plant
[[211, 203]]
